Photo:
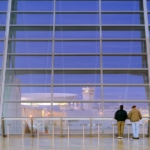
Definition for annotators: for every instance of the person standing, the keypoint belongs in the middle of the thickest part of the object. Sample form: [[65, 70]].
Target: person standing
[[120, 116], [134, 116]]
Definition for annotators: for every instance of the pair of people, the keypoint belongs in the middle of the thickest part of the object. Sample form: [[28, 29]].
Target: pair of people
[[134, 116]]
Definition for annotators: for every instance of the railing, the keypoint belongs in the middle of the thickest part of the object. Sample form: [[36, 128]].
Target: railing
[[93, 123]]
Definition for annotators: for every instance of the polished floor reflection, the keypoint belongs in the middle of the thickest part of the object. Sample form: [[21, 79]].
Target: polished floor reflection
[[74, 143]]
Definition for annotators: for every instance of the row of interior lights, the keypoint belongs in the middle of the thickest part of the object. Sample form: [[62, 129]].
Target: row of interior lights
[[47, 114]]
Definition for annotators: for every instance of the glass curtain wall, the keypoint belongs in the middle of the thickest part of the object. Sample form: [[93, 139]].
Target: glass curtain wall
[[73, 58]]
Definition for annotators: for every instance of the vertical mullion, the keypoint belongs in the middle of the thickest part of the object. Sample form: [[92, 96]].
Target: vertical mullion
[[52, 73], [147, 43], [5, 55], [101, 62]]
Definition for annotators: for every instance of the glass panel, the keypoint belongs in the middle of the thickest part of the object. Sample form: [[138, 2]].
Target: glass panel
[[122, 5], [125, 77], [16, 125], [31, 18], [77, 32], [111, 108], [34, 5], [1, 61], [26, 110], [30, 32], [77, 47], [124, 62], [77, 92], [75, 110], [1, 46], [0, 77], [77, 62], [77, 77], [126, 93], [2, 32], [77, 18], [65, 5], [148, 5], [28, 77], [30, 47], [123, 34], [20, 93], [2, 18], [149, 16], [124, 47], [122, 19], [29, 62], [3, 5]]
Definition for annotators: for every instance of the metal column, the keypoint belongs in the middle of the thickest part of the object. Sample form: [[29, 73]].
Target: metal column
[[3, 127], [147, 43], [5, 56], [53, 46]]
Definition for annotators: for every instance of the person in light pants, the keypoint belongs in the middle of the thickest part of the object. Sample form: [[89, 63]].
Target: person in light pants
[[134, 116], [135, 129]]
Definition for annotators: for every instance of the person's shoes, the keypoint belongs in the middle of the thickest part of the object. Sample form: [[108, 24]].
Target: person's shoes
[[118, 137], [137, 138], [121, 137], [133, 137]]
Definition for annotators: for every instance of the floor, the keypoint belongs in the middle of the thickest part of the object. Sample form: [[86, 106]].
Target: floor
[[74, 143]]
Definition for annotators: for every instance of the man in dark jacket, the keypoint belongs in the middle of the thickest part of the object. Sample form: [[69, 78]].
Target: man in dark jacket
[[120, 116]]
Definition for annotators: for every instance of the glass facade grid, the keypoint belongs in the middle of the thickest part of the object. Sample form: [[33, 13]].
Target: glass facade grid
[[57, 52]]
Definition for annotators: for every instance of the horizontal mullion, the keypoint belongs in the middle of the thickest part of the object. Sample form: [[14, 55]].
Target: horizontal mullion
[[124, 54], [123, 25], [107, 69], [100, 84], [28, 84], [34, 12], [53, 101], [77, 54], [55, 54], [108, 12], [30, 54], [76, 25], [77, 12], [60, 25], [3, 12], [31, 39], [49, 69], [53, 84], [89, 84], [63, 118], [126, 84], [125, 69], [76, 101], [80, 54], [127, 101], [116, 27], [2, 26], [123, 39], [122, 12], [31, 25], [76, 39], [82, 69], [28, 69]]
